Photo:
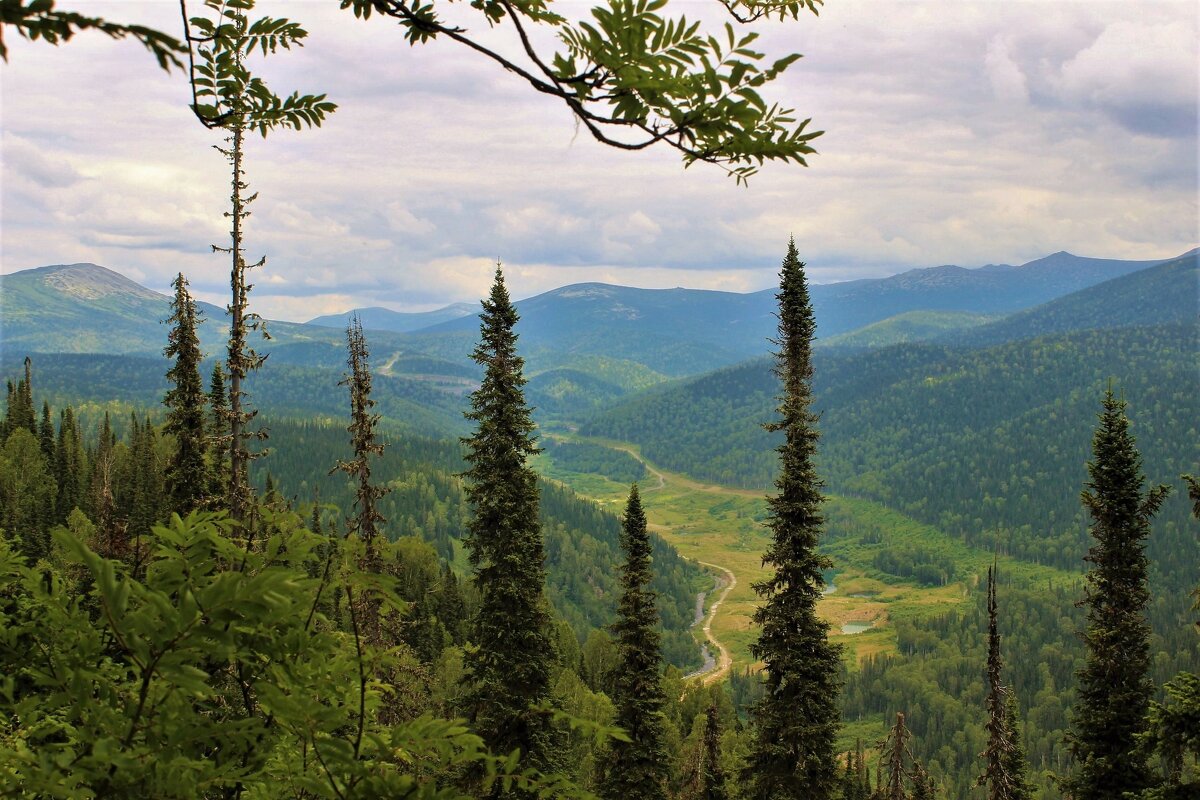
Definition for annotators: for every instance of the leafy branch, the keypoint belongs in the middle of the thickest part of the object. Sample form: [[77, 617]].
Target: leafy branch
[[634, 78], [38, 19]]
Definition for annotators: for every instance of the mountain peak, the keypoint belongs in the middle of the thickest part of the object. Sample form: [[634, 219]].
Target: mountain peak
[[87, 281]]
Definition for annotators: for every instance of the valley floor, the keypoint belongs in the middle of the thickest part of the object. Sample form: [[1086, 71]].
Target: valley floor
[[722, 528]]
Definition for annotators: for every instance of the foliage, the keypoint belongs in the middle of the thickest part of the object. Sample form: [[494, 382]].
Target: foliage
[[38, 19], [797, 720], [634, 78], [214, 673], [225, 94]]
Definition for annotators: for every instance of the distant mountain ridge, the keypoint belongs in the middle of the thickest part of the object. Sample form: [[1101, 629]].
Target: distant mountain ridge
[[384, 319], [87, 308]]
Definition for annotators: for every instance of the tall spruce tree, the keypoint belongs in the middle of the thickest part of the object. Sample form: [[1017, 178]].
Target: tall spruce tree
[[1004, 770], [796, 722], [509, 669], [637, 768], [20, 404], [70, 467], [364, 443], [1114, 684], [1173, 729], [186, 476]]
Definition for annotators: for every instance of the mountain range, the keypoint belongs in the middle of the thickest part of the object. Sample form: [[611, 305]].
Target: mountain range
[[626, 338]]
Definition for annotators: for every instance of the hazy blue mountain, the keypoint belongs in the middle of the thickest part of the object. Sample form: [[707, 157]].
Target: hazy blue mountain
[[637, 332], [384, 319], [86, 308], [1164, 294], [994, 289], [678, 332], [671, 331]]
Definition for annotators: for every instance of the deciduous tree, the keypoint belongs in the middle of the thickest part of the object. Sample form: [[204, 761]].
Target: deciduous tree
[[228, 97]]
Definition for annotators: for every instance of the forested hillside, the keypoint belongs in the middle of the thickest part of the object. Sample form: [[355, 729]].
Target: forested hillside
[[1165, 294], [974, 441], [426, 500]]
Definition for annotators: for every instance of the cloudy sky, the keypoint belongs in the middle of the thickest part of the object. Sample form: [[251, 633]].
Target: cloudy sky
[[956, 132]]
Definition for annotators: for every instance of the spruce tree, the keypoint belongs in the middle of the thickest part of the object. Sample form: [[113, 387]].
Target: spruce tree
[[714, 773], [1114, 684], [509, 669], [637, 768], [894, 759], [796, 722], [20, 404], [70, 466], [923, 785], [187, 472], [367, 518]]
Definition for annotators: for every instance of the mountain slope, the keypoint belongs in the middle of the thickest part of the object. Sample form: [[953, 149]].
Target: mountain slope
[[280, 389], [988, 290], [662, 327]]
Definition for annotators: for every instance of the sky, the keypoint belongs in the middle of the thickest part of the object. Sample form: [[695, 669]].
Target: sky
[[956, 132]]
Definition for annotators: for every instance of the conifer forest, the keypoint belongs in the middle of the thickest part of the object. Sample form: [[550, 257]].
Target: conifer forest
[[830, 535]]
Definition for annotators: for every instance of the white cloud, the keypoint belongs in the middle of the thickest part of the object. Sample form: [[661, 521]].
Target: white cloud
[[1008, 81], [957, 132], [1143, 75]]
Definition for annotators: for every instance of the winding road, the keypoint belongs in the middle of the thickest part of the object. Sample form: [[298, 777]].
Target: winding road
[[724, 661]]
